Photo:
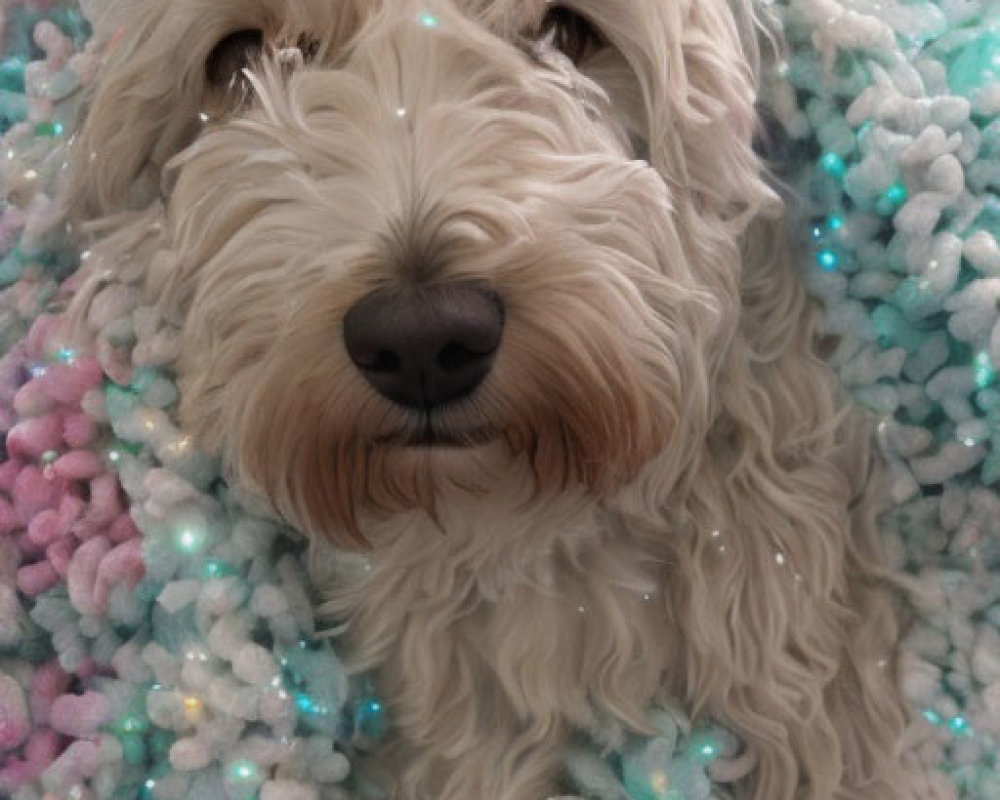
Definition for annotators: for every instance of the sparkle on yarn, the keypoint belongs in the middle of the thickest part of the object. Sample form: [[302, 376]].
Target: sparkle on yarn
[[214, 568], [983, 370], [827, 259], [189, 540], [896, 193], [133, 723], [428, 20], [49, 129], [833, 164], [192, 709], [891, 199], [307, 705], [244, 770], [179, 447], [66, 355], [196, 655], [659, 782], [704, 747], [191, 535], [959, 725], [370, 719]]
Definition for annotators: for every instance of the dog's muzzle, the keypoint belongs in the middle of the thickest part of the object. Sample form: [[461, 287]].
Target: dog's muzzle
[[425, 346]]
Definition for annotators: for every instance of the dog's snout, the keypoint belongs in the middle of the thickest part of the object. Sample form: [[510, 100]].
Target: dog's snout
[[425, 346]]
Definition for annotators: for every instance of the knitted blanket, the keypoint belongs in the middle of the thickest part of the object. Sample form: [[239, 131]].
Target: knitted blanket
[[157, 638]]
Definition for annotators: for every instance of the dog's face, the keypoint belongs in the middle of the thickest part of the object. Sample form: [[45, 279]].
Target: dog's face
[[418, 245]]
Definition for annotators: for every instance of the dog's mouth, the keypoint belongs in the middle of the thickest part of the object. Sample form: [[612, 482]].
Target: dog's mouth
[[437, 436], [429, 435]]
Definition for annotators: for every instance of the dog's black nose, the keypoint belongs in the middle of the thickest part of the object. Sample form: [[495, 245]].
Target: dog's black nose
[[425, 346]]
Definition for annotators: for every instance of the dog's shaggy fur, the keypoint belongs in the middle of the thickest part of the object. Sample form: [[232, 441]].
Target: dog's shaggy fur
[[662, 495]]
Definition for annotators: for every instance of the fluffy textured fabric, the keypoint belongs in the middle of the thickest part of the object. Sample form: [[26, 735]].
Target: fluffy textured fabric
[[617, 546]]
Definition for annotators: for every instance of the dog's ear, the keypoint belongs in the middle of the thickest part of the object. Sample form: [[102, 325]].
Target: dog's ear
[[142, 112], [694, 65], [168, 68]]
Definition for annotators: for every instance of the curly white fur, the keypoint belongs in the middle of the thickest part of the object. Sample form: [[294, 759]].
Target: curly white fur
[[673, 505]]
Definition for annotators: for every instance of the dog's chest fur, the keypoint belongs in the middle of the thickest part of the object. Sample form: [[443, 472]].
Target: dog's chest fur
[[501, 625]]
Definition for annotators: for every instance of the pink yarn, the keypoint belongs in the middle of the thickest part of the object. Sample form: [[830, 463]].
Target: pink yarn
[[82, 576], [59, 554], [68, 383], [62, 519], [51, 524], [14, 723], [123, 565], [79, 430], [8, 517], [79, 465], [34, 492], [35, 579], [80, 716], [122, 529], [34, 437], [41, 750], [105, 501], [32, 399], [8, 474], [49, 682]]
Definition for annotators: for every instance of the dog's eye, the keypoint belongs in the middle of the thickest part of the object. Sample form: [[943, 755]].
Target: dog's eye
[[231, 55], [572, 33]]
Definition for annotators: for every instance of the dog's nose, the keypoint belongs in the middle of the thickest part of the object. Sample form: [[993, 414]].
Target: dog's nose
[[425, 346]]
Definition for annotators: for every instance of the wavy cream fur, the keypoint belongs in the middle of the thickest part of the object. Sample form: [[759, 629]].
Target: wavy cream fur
[[677, 501]]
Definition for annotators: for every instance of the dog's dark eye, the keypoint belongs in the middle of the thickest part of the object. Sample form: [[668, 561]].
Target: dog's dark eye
[[572, 33], [231, 55]]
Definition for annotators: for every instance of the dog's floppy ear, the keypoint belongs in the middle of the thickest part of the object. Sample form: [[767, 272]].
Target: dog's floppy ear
[[694, 65], [158, 80], [141, 113]]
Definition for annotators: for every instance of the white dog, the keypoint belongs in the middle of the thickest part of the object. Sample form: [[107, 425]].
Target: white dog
[[484, 288]]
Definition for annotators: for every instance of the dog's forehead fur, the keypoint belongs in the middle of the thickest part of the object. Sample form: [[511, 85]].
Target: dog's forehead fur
[[689, 66]]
